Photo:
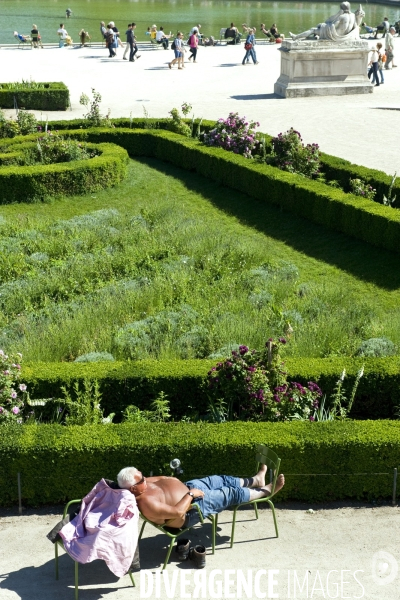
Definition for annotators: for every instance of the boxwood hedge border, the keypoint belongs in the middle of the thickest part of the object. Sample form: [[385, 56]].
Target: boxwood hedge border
[[139, 382], [321, 461], [55, 96], [35, 183], [352, 215]]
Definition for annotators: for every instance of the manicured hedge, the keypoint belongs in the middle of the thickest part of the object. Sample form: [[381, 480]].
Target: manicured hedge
[[30, 184], [59, 463], [140, 382], [333, 208], [53, 97], [318, 202], [333, 167]]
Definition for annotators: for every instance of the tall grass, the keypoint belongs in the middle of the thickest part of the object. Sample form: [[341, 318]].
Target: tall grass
[[156, 269]]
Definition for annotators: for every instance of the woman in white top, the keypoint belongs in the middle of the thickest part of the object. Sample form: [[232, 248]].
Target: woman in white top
[[374, 66]]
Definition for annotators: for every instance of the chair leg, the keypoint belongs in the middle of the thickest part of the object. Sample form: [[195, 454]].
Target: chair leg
[[168, 554], [256, 509], [56, 558], [233, 526], [141, 530], [76, 581], [214, 531], [273, 514], [132, 579]]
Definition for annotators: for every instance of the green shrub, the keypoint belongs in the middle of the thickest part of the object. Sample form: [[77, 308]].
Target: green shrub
[[377, 347], [58, 463], [140, 382], [313, 200], [53, 96], [32, 183]]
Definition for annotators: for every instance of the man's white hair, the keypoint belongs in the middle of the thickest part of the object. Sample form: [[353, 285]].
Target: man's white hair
[[126, 477]]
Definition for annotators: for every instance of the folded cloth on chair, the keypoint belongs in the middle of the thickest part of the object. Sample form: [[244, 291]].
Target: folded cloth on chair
[[105, 528]]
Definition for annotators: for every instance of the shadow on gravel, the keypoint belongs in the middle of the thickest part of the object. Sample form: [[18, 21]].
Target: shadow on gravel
[[39, 583], [356, 257], [257, 97]]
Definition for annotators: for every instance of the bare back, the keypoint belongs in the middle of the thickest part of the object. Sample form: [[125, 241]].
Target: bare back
[[162, 493]]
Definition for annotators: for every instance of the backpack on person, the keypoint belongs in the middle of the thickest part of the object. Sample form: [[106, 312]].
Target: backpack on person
[[173, 45]]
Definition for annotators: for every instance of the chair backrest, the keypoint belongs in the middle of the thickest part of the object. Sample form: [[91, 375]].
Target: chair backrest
[[222, 33], [266, 456]]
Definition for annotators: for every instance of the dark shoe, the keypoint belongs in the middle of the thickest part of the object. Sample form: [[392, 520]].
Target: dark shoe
[[198, 556], [123, 58], [182, 548]]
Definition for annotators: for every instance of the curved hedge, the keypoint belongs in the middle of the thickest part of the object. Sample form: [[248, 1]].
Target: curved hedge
[[139, 382], [58, 463], [333, 167], [33, 183], [360, 218]]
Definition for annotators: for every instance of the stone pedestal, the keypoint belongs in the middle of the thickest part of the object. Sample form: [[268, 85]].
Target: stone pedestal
[[323, 68]]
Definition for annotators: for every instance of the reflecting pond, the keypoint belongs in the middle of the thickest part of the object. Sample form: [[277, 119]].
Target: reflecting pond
[[19, 15]]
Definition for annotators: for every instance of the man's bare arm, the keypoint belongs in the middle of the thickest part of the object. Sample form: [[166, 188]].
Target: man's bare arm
[[154, 509]]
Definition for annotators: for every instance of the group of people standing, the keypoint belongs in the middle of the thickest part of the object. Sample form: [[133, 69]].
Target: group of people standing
[[382, 60], [112, 38]]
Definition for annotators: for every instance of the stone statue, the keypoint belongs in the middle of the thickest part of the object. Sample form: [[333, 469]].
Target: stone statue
[[341, 27]]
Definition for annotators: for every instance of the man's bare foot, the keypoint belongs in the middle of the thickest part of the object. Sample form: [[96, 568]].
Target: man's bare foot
[[280, 482], [259, 479]]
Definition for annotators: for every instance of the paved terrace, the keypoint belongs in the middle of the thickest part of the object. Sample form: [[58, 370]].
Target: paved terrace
[[340, 540], [360, 128]]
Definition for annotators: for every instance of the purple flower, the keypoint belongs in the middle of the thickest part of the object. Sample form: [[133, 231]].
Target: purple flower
[[13, 395], [243, 350], [22, 387], [1, 410], [6, 372], [312, 418], [15, 410], [282, 340], [251, 369]]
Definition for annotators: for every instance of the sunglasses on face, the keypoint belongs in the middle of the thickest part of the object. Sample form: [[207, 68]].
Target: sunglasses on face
[[139, 482]]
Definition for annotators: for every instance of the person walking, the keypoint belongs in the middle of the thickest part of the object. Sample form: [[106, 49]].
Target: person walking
[[193, 43], [380, 62], [374, 67], [389, 46], [249, 47], [111, 41], [178, 50]]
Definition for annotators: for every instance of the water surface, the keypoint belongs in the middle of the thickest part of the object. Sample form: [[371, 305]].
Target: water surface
[[19, 15]]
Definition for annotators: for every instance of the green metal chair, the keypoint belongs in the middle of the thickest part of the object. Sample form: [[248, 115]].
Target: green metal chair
[[173, 533], [59, 543], [264, 456]]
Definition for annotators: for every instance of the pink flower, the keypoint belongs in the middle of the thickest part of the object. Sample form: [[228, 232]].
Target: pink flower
[[15, 410], [22, 387]]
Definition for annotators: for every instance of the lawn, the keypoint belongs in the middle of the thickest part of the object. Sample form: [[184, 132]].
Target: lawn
[[168, 264]]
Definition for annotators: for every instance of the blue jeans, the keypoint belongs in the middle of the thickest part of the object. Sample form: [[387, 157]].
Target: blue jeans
[[249, 53], [220, 492]]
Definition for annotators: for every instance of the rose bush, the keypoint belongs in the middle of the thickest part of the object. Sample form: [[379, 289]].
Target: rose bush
[[253, 385], [234, 134], [12, 393]]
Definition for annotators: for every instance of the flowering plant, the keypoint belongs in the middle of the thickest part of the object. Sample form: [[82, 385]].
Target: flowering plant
[[290, 154], [12, 393], [360, 188], [253, 385], [53, 148], [234, 134]]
